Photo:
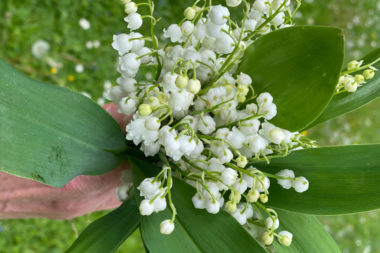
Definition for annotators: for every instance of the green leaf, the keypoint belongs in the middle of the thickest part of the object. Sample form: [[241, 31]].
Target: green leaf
[[342, 179], [347, 102], [195, 230], [299, 66], [109, 232], [308, 234], [51, 134]]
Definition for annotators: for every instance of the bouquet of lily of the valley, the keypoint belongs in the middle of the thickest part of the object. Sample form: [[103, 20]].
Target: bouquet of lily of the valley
[[217, 105]]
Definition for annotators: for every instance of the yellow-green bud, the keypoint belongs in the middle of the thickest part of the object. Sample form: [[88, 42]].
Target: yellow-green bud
[[263, 198], [181, 81], [242, 90], [241, 98], [369, 73], [145, 109], [235, 197], [194, 86], [353, 65], [267, 238], [231, 206], [253, 195], [285, 240], [241, 161], [229, 88], [190, 13], [285, 237], [162, 97], [359, 79]]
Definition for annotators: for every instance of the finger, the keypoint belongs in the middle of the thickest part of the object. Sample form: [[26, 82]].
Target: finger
[[121, 119], [59, 209]]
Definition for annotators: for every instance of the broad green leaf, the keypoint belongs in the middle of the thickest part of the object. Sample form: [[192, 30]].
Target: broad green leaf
[[299, 66], [195, 230], [51, 134], [342, 179], [347, 102], [308, 234], [106, 234]]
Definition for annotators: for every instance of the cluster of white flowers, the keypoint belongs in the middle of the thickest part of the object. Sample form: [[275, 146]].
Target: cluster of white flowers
[[199, 114], [350, 83]]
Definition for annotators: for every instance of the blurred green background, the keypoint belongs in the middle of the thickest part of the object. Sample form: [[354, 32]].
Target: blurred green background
[[83, 60]]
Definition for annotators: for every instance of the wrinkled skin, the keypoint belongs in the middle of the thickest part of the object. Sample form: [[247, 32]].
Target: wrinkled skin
[[24, 198]]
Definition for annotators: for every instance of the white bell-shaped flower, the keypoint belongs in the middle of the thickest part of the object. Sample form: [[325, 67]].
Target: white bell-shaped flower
[[134, 21], [129, 64], [174, 33], [128, 106], [166, 227], [285, 183], [300, 184], [218, 14], [146, 208], [121, 43], [149, 188]]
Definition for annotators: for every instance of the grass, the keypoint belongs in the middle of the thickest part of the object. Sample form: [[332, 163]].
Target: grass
[[24, 22]]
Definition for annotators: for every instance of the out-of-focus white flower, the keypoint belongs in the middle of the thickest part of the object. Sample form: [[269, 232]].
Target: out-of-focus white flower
[[40, 48], [84, 24], [79, 68]]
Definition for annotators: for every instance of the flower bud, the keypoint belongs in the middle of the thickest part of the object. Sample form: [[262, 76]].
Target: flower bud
[[190, 13], [130, 7], [263, 198], [285, 238], [242, 90], [152, 124], [231, 206], [181, 81], [241, 98], [235, 197], [267, 238], [359, 79], [349, 84], [194, 86], [269, 223], [166, 227], [233, 3], [253, 195], [353, 65], [146, 208], [145, 109], [241, 161], [300, 184], [369, 73]]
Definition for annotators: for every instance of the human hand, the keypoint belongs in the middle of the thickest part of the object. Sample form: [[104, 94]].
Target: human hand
[[24, 198]]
